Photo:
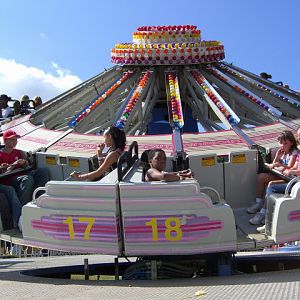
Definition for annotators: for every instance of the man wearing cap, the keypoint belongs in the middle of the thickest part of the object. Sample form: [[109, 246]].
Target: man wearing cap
[[12, 158], [5, 110]]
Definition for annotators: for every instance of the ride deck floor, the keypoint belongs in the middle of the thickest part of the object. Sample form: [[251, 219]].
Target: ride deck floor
[[15, 285], [247, 236]]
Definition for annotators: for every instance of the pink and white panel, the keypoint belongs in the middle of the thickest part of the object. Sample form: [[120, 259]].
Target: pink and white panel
[[173, 218]]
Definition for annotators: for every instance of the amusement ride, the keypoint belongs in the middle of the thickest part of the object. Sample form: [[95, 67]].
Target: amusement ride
[[169, 89]]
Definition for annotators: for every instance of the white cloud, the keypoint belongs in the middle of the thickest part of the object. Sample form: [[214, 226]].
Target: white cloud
[[17, 79], [42, 35]]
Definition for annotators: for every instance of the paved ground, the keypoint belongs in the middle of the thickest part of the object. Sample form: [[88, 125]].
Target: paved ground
[[13, 285]]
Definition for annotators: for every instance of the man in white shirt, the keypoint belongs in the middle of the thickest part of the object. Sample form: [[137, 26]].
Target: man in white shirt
[[6, 111]]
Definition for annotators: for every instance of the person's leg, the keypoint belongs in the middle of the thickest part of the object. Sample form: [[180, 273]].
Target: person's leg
[[41, 176], [277, 188], [262, 180], [24, 187], [15, 205]]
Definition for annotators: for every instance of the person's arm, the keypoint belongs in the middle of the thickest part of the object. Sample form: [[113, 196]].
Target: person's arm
[[292, 162], [281, 167], [289, 172], [100, 155], [22, 161], [186, 173], [109, 160], [155, 175], [275, 162], [3, 167]]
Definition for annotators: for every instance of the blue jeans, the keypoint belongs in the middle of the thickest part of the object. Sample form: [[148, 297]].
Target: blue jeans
[[26, 184], [278, 188], [40, 176], [15, 205]]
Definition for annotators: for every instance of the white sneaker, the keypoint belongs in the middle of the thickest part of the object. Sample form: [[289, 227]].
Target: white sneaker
[[257, 219], [256, 207], [20, 224], [261, 229]]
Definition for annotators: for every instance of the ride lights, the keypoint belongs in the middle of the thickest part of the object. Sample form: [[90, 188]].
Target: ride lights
[[165, 55], [260, 86], [142, 82], [218, 102], [167, 28], [169, 45], [175, 101], [262, 103], [92, 105]]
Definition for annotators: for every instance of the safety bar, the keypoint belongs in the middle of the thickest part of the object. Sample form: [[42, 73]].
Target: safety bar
[[129, 157], [208, 188], [42, 188], [290, 185]]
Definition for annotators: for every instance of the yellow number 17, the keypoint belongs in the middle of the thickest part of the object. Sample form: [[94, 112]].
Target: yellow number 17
[[69, 222]]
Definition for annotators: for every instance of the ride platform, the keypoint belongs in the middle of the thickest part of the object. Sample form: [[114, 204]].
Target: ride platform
[[267, 285]]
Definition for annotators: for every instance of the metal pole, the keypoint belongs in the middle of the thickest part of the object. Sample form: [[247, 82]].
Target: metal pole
[[153, 270], [116, 268], [86, 269]]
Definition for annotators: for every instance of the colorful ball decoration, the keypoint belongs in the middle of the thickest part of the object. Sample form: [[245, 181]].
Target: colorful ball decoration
[[201, 81], [259, 86], [180, 44], [141, 84], [174, 98], [263, 104], [92, 105]]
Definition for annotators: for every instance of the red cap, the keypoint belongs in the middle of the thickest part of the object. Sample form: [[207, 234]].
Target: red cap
[[9, 134]]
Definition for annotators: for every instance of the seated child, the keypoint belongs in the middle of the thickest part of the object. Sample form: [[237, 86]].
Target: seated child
[[278, 187], [12, 158], [157, 163], [115, 139], [285, 159]]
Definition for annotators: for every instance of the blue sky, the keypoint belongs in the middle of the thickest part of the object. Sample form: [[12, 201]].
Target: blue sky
[[48, 46]]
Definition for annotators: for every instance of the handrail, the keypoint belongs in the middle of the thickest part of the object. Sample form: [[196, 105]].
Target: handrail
[[124, 157], [134, 146], [289, 185], [208, 188], [42, 188], [129, 158]]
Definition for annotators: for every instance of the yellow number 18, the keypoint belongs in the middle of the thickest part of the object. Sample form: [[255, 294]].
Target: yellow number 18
[[171, 224]]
